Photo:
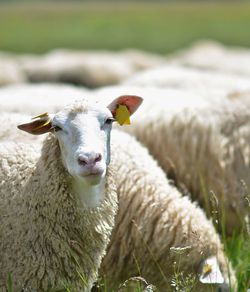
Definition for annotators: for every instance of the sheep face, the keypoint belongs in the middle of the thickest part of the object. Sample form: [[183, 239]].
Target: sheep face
[[83, 131]]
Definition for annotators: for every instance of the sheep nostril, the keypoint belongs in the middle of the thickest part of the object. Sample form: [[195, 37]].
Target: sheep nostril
[[88, 160], [82, 161], [98, 157]]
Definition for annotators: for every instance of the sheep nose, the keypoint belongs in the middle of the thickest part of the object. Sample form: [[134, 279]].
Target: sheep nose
[[89, 158]]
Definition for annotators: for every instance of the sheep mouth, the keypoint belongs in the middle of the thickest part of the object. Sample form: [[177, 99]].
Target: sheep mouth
[[94, 178], [94, 174]]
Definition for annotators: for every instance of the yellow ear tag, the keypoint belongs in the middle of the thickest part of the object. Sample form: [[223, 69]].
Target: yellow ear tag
[[122, 115], [42, 117]]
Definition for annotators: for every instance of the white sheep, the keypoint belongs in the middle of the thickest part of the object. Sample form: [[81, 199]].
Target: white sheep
[[206, 153], [58, 204], [34, 99], [88, 68], [194, 80], [154, 224], [158, 231], [202, 144], [10, 70], [211, 55], [8, 131]]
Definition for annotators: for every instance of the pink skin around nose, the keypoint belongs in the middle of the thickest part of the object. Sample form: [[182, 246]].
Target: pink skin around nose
[[89, 159]]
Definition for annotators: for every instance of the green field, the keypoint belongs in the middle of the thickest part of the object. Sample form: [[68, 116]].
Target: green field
[[153, 27]]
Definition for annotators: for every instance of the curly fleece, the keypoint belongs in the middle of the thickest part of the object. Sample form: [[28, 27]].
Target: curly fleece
[[154, 217], [46, 239]]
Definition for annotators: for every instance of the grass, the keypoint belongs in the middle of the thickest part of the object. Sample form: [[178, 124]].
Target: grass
[[153, 27]]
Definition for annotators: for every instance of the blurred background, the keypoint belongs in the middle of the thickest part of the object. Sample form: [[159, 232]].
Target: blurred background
[[35, 26]]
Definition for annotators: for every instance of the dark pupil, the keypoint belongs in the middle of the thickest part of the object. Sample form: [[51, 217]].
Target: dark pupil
[[109, 121], [57, 128]]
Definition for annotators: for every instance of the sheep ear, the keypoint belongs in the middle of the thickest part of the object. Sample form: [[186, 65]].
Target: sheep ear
[[123, 107], [41, 124], [210, 272]]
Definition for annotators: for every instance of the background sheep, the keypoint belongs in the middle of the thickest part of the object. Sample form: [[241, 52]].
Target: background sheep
[[34, 99], [202, 144], [155, 224], [10, 70], [8, 130], [215, 56], [204, 151], [58, 207], [88, 68], [195, 80]]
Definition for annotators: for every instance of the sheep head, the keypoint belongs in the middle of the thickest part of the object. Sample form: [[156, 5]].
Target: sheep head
[[83, 132]]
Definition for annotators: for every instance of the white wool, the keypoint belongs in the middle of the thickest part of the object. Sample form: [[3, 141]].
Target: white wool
[[154, 222], [10, 72], [35, 99], [154, 213], [195, 80], [51, 232], [215, 56], [88, 68]]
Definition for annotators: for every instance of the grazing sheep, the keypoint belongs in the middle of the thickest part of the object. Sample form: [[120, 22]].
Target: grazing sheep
[[58, 204], [156, 226]]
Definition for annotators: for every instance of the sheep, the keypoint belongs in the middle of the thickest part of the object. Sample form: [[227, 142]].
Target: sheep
[[207, 153], [91, 69], [214, 56], [10, 72], [195, 80], [58, 204], [154, 224], [8, 131], [203, 145], [34, 99]]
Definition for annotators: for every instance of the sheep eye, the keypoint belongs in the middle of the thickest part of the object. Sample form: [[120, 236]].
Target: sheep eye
[[57, 128], [109, 121]]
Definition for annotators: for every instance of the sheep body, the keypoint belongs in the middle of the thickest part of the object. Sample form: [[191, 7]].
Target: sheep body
[[10, 70], [195, 80], [47, 239], [91, 69], [152, 220], [202, 144], [203, 151], [214, 56], [34, 99], [9, 132]]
